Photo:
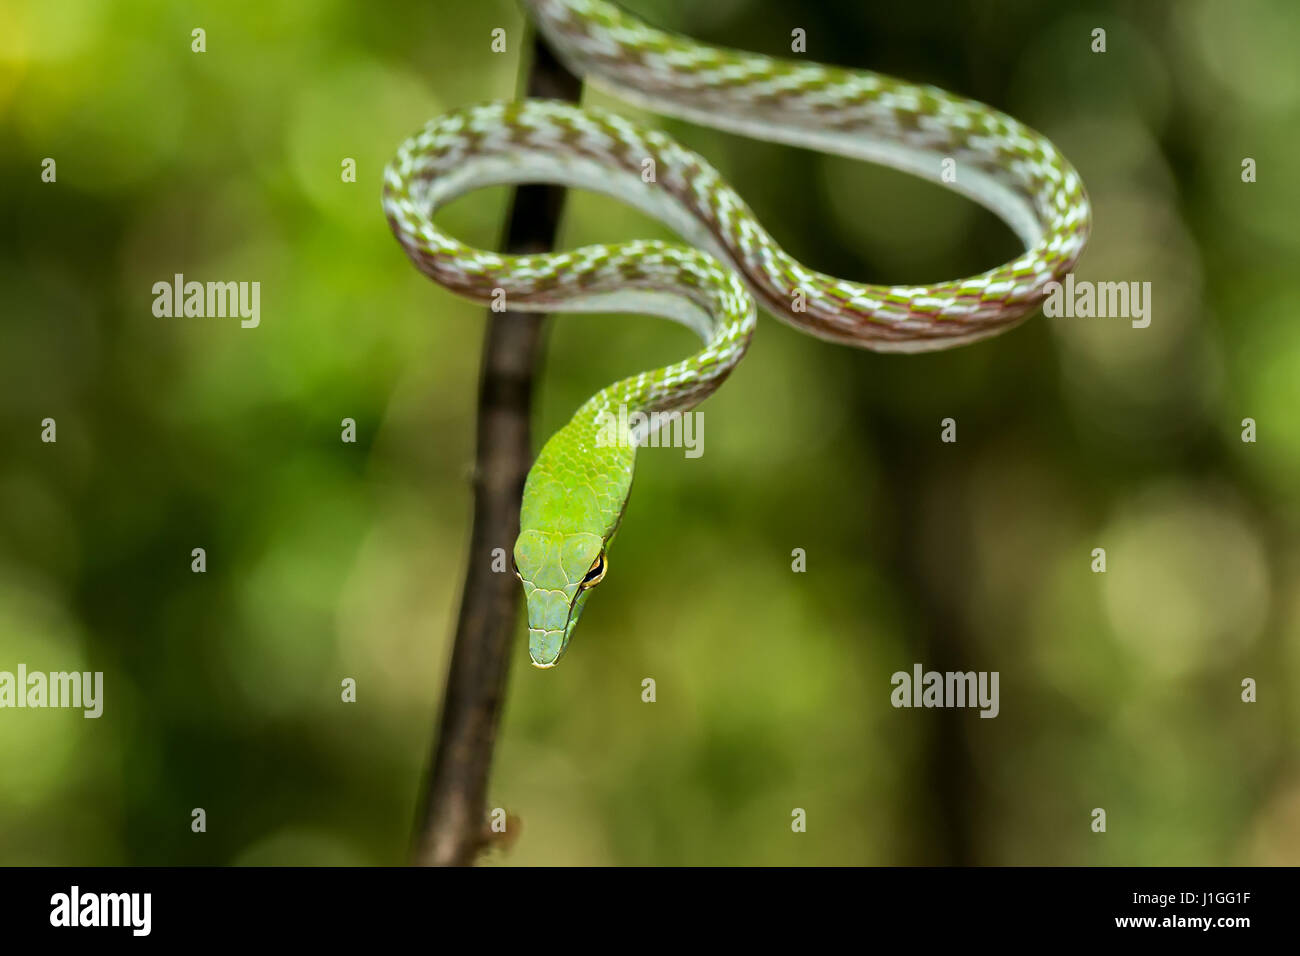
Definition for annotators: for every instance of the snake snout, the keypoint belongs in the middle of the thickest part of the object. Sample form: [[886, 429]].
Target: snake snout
[[545, 647]]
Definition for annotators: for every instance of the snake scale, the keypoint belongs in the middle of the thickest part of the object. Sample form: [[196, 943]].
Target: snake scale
[[578, 486]]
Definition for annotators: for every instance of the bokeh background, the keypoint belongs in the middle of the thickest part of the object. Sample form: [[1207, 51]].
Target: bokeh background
[[329, 560]]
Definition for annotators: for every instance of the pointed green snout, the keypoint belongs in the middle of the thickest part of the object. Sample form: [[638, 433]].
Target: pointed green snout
[[551, 620], [550, 624]]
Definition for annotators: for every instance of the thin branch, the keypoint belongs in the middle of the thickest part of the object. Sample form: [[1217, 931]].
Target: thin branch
[[452, 829]]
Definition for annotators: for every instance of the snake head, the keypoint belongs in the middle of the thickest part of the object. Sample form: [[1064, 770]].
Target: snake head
[[558, 572], [573, 501]]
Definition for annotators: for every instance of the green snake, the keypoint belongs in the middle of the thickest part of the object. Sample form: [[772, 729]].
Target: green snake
[[577, 489]]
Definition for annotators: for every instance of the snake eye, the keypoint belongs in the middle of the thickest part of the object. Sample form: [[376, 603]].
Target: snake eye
[[596, 574]]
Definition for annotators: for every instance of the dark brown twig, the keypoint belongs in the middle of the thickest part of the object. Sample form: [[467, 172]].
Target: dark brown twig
[[452, 827]]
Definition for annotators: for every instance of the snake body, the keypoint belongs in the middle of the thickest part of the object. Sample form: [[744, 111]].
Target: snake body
[[577, 489]]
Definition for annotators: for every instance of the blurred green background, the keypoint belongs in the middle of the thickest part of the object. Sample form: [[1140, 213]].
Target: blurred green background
[[329, 560]]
